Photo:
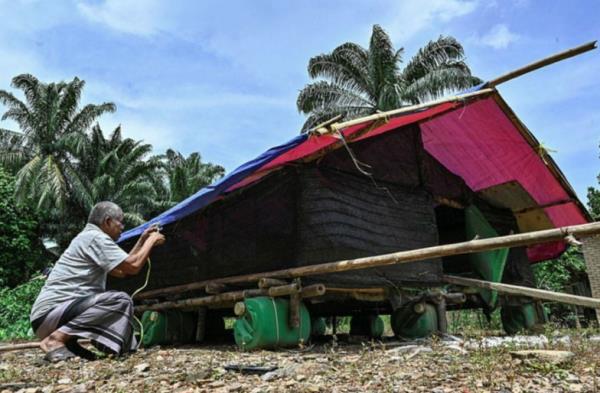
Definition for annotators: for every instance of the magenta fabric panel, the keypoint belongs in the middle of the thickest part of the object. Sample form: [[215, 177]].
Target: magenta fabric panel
[[560, 215], [480, 144], [565, 214], [545, 251], [315, 144]]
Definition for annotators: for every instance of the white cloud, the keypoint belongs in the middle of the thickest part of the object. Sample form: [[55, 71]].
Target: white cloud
[[499, 37], [413, 16], [142, 18]]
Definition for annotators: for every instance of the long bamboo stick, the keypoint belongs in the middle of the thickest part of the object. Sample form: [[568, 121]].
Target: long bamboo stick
[[234, 296], [17, 347], [542, 63], [525, 291], [399, 111], [472, 246]]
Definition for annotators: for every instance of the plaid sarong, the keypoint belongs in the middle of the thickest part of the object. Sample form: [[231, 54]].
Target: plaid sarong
[[106, 319]]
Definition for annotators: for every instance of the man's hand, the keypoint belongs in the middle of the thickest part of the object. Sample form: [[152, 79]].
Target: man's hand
[[157, 238], [151, 229], [136, 260]]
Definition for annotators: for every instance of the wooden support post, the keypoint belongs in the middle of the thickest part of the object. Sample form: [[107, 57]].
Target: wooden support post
[[472, 246], [525, 291], [294, 316]]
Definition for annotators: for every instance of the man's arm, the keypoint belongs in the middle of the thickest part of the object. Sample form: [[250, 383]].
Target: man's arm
[[143, 237], [136, 259]]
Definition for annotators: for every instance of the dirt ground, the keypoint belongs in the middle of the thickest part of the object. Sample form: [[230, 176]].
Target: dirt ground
[[569, 364]]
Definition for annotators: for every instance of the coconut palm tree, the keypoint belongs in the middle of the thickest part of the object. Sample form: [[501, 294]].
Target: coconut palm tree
[[359, 81], [188, 175], [52, 127]]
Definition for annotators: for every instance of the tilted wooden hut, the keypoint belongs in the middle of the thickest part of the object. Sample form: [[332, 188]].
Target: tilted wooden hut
[[407, 179]]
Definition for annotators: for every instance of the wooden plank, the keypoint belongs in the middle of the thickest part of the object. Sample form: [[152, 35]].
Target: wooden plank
[[472, 246], [525, 291]]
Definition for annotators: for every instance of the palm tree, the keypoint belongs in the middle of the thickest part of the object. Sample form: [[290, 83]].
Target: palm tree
[[52, 127], [120, 170], [188, 175], [360, 81]]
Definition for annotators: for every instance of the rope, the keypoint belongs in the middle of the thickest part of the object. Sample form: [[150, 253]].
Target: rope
[[276, 318], [133, 295], [363, 168]]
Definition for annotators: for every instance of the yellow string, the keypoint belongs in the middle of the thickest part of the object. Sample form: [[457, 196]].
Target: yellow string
[[135, 293]]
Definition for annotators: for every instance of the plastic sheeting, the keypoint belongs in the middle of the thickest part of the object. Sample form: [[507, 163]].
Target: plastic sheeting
[[476, 141], [297, 148]]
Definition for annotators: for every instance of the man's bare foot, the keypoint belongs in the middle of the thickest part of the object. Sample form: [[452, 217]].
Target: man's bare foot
[[55, 340]]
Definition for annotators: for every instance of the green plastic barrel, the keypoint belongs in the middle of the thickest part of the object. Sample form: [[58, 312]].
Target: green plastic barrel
[[367, 325], [517, 319], [489, 264], [410, 324], [168, 327], [318, 326], [264, 324]]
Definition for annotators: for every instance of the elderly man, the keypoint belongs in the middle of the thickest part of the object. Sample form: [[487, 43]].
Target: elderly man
[[74, 302]]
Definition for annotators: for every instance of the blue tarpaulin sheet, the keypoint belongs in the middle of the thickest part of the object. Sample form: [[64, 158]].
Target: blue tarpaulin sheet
[[209, 194]]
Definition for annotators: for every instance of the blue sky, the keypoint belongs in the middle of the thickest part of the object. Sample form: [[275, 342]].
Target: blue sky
[[221, 77]]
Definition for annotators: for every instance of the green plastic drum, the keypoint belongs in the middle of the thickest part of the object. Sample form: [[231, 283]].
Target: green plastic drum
[[489, 264], [264, 324], [367, 325], [168, 327], [410, 324], [318, 326], [517, 319]]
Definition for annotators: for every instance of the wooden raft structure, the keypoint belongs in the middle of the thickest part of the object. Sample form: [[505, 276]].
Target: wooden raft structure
[[271, 284]]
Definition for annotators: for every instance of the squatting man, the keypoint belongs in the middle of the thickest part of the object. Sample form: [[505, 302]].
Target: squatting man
[[74, 302]]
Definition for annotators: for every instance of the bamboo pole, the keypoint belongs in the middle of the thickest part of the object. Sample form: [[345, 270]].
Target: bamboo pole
[[17, 347], [265, 283], [399, 111], [472, 246], [542, 63], [525, 291], [215, 288], [233, 297]]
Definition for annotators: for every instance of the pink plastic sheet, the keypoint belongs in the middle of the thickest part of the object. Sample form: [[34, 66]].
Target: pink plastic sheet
[[480, 144]]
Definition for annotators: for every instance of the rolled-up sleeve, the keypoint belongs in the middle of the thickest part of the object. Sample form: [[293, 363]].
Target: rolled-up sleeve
[[106, 253]]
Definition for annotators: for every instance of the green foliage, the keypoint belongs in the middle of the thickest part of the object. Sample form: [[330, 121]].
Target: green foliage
[[188, 175], [64, 166], [361, 81], [20, 249], [558, 274], [15, 306], [594, 201]]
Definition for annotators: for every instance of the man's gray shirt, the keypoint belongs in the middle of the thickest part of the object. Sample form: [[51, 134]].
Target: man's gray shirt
[[80, 271]]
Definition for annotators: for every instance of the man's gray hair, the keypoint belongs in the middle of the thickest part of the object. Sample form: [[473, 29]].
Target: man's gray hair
[[103, 210]]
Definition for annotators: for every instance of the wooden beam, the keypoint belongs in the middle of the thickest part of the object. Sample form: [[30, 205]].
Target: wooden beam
[[396, 258], [542, 63], [518, 290]]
